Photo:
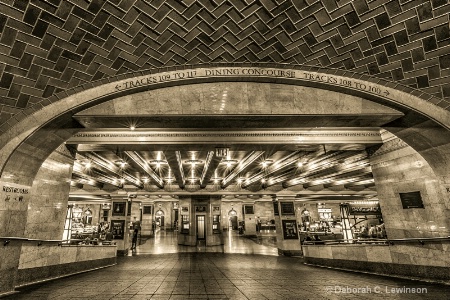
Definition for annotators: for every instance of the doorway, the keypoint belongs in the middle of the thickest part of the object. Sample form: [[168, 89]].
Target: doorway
[[159, 219], [233, 219], [200, 227]]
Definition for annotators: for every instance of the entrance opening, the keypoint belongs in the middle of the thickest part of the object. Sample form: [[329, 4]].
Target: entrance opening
[[200, 227], [233, 220], [159, 219]]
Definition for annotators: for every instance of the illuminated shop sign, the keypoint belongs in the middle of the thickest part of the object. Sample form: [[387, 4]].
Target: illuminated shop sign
[[365, 209]]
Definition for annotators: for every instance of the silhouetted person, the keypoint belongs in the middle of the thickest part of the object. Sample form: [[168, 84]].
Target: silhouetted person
[[109, 236], [317, 239], [135, 237]]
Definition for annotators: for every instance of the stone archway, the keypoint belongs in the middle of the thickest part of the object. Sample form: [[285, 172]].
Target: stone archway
[[28, 142]]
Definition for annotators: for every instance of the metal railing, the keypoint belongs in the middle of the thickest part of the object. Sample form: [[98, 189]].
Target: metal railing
[[421, 241], [39, 242]]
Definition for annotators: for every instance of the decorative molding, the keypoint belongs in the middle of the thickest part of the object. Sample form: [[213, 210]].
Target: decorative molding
[[389, 146], [305, 136]]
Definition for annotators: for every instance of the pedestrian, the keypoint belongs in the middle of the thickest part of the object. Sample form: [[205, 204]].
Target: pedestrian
[[134, 240]]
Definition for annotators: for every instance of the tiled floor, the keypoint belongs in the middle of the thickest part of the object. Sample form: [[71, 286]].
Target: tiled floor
[[223, 275]]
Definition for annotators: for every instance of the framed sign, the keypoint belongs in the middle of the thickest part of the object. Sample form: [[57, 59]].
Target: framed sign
[[287, 208], [216, 209], [119, 208], [185, 209], [106, 206], [275, 208], [200, 208], [249, 209], [290, 231], [129, 208], [361, 209], [118, 229], [411, 200], [147, 210]]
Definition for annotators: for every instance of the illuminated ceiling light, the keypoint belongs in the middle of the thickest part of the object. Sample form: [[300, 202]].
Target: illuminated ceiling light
[[266, 163], [239, 181], [193, 161], [158, 162], [88, 165], [121, 162], [122, 180], [299, 164], [145, 180], [229, 162], [263, 180], [132, 127]]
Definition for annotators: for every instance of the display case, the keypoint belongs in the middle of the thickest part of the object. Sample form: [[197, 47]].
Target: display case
[[118, 229], [216, 224], [185, 224]]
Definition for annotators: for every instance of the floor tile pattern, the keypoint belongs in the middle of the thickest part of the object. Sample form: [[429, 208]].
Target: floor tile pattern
[[237, 271], [221, 276]]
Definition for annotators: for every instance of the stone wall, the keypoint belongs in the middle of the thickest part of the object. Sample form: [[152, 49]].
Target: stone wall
[[429, 261], [50, 261], [397, 168], [49, 196]]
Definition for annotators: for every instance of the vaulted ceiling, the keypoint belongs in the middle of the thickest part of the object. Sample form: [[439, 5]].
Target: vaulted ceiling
[[50, 46]]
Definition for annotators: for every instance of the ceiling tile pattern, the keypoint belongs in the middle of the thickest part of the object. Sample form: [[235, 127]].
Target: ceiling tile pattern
[[50, 46]]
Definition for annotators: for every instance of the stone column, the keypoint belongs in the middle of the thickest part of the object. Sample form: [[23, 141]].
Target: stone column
[[288, 242], [186, 232], [249, 218], [36, 212], [214, 227], [147, 220], [120, 221]]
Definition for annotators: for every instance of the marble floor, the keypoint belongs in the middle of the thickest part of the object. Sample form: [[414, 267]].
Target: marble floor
[[166, 242], [241, 269]]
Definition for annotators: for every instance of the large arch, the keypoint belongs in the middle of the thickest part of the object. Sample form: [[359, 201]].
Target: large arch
[[28, 142], [42, 126]]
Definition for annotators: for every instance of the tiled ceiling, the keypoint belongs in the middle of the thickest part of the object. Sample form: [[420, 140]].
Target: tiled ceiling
[[48, 46]]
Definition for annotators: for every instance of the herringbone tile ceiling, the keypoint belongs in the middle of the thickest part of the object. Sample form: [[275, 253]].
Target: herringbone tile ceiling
[[48, 46]]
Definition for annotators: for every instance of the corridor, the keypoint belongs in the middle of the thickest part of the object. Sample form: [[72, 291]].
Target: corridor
[[160, 269], [166, 242]]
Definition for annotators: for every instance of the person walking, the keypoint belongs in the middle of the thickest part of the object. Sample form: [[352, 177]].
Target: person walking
[[134, 240]]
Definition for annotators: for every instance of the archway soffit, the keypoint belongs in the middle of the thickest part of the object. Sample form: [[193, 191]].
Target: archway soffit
[[371, 88]]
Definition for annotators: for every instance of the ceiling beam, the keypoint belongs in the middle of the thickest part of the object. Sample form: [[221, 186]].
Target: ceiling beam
[[285, 162], [176, 165], [240, 167], [211, 163], [331, 162], [83, 179], [133, 155], [113, 168]]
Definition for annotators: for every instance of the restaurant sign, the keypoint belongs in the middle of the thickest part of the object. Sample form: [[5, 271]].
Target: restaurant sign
[[361, 209]]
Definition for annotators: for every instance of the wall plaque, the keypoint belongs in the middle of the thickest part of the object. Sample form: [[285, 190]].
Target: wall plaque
[[249, 210], [147, 210], [287, 208], [411, 200]]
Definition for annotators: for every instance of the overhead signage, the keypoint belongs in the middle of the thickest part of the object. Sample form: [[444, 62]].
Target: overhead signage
[[336, 80], [222, 152], [361, 209], [14, 195]]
